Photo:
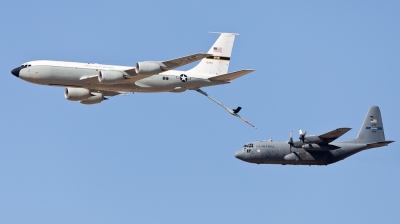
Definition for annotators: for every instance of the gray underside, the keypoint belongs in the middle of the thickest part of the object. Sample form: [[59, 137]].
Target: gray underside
[[318, 150], [280, 153]]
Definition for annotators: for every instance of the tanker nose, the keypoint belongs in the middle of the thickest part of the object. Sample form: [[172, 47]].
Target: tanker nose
[[15, 71]]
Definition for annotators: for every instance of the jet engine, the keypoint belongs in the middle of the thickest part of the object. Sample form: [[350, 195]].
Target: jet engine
[[95, 98], [110, 77], [76, 94], [148, 68]]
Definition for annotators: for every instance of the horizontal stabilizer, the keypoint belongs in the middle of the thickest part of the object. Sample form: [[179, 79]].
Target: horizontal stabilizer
[[378, 144], [231, 76]]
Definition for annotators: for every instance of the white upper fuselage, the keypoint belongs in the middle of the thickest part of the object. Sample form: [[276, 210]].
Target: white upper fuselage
[[90, 83], [75, 74]]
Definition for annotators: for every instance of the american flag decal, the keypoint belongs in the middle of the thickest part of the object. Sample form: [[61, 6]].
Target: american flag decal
[[218, 49]]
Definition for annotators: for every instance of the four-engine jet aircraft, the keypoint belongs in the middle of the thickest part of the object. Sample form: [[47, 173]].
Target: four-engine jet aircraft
[[317, 150], [90, 83]]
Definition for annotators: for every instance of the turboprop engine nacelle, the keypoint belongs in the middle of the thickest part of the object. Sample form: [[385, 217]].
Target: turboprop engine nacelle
[[312, 139], [148, 68], [76, 94], [316, 147], [110, 77]]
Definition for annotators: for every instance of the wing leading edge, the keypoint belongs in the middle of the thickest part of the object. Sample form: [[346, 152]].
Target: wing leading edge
[[174, 63], [332, 135]]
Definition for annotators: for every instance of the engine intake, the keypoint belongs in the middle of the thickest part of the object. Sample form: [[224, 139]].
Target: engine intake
[[148, 68], [110, 77]]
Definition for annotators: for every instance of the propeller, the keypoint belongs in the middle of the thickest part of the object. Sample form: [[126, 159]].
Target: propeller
[[290, 142], [302, 135]]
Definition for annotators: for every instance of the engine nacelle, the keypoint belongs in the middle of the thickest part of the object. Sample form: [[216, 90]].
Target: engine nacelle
[[110, 77], [316, 147], [76, 94], [95, 98], [148, 68], [312, 139]]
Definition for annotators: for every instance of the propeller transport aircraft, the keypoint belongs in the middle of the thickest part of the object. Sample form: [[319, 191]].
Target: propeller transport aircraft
[[317, 150], [91, 83]]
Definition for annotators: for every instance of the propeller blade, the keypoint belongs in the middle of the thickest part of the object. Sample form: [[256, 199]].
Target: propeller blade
[[302, 135], [290, 142]]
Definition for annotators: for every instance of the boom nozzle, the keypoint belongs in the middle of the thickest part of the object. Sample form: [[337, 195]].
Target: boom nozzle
[[233, 112]]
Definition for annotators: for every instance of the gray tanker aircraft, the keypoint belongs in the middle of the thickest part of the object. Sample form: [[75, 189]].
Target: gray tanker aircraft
[[90, 83], [317, 149]]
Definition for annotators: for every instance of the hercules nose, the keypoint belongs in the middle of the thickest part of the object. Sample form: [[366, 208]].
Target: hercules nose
[[15, 71], [240, 155]]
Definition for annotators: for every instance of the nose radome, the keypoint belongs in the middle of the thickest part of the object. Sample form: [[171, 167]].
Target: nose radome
[[239, 155], [15, 71]]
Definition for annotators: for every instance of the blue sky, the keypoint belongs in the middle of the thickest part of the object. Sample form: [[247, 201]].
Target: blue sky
[[169, 158]]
